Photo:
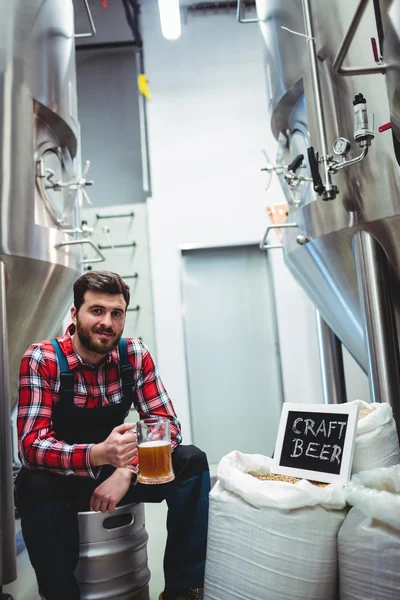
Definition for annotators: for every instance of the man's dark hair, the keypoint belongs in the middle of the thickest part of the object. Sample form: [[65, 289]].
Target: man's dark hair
[[100, 281]]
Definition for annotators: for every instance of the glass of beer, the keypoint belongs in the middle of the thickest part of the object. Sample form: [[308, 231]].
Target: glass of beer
[[154, 449]]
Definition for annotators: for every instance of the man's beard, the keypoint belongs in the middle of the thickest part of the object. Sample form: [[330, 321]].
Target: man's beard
[[86, 339]]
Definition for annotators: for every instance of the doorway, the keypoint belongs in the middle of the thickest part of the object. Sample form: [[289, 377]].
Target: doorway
[[232, 353]]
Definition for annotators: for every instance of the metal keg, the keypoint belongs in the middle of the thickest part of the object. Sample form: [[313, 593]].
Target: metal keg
[[113, 555]]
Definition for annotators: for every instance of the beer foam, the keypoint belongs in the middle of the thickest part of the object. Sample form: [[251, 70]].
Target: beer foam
[[154, 444]]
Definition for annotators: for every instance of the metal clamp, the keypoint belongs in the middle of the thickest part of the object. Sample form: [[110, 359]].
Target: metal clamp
[[87, 261], [264, 245], [239, 14], [345, 45], [92, 25]]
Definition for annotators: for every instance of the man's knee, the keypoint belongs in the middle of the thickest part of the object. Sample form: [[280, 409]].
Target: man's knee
[[189, 461]]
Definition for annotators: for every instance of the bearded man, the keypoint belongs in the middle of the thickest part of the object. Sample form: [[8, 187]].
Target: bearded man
[[78, 454]]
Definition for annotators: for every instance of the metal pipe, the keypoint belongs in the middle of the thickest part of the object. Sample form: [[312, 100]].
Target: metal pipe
[[263, 243], [379, 25], [91, 22], [105, 46], [345, 45], [116, 215], [132, 245], [134, 309], [8, 565], [330, 189], [380, 332], [347, 163], [239, 14], [144, 128], [331, 361], [86, 261]]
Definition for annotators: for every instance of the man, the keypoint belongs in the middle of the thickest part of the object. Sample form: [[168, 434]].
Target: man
[[77, 452]]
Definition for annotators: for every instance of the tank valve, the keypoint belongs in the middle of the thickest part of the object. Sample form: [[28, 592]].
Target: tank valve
[[362, 133], [291, 173]]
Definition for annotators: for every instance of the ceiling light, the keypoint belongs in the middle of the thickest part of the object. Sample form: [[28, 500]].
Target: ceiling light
[[170, 18]]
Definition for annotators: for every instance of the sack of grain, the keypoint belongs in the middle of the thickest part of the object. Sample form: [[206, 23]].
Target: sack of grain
[[369, 539], [271, 540], [377, 444]]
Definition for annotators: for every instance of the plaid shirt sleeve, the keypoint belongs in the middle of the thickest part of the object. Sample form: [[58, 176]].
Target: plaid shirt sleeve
[[151, 397], [37, 445]]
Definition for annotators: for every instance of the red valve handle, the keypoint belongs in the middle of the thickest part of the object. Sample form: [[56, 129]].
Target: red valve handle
[[385, 127], [375, 50], [104, 3]]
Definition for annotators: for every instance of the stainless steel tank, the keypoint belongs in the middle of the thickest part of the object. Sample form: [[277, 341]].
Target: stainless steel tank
[[318, 56], [39, 145]]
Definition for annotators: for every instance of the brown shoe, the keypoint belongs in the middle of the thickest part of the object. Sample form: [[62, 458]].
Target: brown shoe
[[190, 594]]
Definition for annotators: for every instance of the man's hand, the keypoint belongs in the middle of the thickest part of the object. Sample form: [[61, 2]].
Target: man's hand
[[111, 491], [119, 449]]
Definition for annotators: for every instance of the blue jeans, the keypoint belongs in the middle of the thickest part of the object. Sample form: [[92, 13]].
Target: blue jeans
[[51, 534]]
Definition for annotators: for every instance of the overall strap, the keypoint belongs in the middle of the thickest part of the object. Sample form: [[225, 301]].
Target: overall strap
[[66, 376], [126, 372]]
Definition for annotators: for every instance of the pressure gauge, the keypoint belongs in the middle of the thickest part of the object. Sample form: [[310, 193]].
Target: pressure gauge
[[341, 146]]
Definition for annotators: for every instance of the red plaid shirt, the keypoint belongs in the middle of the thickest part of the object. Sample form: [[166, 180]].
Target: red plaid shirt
[[39, 386]]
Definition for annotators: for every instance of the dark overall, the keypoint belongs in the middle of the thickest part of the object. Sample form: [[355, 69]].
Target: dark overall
[[48, 503]]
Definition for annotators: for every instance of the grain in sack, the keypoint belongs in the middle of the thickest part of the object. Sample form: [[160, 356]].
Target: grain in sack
[[271, 540]]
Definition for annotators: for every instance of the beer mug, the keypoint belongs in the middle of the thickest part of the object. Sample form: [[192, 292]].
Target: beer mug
[[154, 450]]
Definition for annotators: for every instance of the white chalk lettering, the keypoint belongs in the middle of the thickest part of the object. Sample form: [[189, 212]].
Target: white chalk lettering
[[310, 424], [310, 449], [336, 453], [294, 426], [298, 445], [322, 428], [342, 425], [325, 448], [331, 426]]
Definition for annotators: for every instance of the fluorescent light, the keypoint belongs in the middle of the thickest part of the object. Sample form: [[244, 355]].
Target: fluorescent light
[[170, 18]]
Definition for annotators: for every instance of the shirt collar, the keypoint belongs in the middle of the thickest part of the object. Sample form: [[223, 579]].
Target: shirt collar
[[73, 358]]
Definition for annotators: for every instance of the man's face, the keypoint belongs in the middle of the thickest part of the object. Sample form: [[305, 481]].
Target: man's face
[[100, 321]]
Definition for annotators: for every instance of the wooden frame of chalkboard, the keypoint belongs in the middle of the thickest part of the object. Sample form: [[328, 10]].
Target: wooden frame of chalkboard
[[316, 442]]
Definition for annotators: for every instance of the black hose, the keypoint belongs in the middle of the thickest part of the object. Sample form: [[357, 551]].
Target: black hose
[[132, 13]]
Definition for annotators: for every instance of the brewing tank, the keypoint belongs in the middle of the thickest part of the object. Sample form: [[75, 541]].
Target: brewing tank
[[39, 146], [39, 135], [319, 247]]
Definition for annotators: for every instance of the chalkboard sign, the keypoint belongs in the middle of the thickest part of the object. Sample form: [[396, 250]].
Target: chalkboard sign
[[316, 441]]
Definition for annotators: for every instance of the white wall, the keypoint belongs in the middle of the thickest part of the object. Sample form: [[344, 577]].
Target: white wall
[[208, 120]]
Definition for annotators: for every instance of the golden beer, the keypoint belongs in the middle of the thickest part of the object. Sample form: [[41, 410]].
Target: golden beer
[[154, 451]]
